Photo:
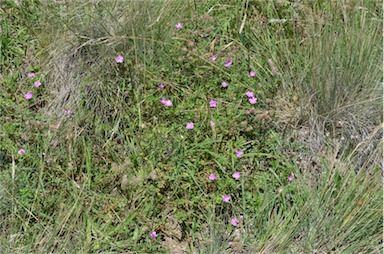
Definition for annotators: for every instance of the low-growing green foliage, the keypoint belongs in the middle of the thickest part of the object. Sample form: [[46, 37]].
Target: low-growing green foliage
[[160, 126]]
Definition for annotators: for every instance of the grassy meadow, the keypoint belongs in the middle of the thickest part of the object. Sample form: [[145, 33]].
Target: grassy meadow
[[191, 126]]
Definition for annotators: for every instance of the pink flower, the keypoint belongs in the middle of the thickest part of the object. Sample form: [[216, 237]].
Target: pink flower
[[212, 103], [234, 222], [37, 83], [189, 126], [153, 234], [239, 153], [31, 74], [212, 123], [166, 103], [236, 175], [68, 111], [252, 73], [21, 151], [213, 58], [212, 177], [252, 100], [179, 25], [28, 96], [119, 59], [230, 243], [290, 178], [226, 198], [161, 85], [227, 63], [249, 94], [224, 84]]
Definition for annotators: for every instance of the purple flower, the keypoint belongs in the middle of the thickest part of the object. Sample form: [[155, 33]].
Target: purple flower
[[37, 83], [227, 63], [161, 85], [252, 73], [28, 96], [212, 103], [213, 58], [224, 84], [249, 94], [189, 126], [230, 243], [31, 74], [290, 178], [226, 198], [252, 100], [68, 111], [236, 175], [153, 234], [212, 177], [212, 123], [119, 59], [239, 153], [21, 151], [179, 25], [234, 222]]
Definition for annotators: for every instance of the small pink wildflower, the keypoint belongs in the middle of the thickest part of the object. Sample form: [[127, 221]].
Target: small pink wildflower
[[212, 177], [234, 222], [37, 83], [166, 103], [189, 126], [31, 74], [21, 151], [68, 111], [249, 94], [230, 243], [252, 73], [226, 198], [212, 103], [290, 178], [236, 175], [213, 58], [179, 25], [153, 234], [212, 123], [239, 153], [28, 96], [224, 84], [161, 85], [227, 63], [119, 59], [252, 100]]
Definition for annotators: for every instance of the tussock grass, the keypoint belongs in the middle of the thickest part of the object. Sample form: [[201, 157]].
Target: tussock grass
[[333, 76]]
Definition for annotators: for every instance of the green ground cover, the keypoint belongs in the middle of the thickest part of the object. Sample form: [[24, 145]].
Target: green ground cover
[[190, 126]]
